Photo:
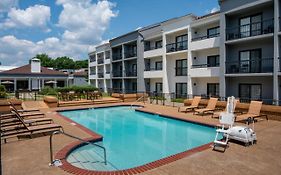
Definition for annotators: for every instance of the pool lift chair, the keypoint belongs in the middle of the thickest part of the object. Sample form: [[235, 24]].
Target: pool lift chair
[[226, 120]]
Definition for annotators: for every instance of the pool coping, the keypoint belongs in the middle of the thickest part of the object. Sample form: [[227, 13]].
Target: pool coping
[[65, 151]]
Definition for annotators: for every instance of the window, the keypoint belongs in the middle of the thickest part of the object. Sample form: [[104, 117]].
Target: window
[[213, 89], [158, 87], [158, 65], [248, 92], [146, 45], [134, 86], [181, 42], [250, 26], [158, 44], [181, 90], [213, 32], [181, 67], [250, 61], [213, 61]]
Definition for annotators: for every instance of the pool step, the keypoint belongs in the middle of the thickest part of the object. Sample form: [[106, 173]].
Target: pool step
[[91, 158]]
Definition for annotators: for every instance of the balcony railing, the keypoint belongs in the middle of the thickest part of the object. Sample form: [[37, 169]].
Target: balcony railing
[[130, 73], [130, 54], [252, 29], [174, 47], [117, 74], [116, 57], [181, 71], [152, 69], [264, 65], [107, 72], [152, 48], [100, 75], [100, 61], [206, 37], [92, 58], [204, 65], [93, 73]]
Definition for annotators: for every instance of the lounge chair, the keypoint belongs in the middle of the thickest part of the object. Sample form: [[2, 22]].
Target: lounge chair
[[194, 105], [20, 107], [28, 130], [22, 114], [15, 121], [209, 109], [253, 112]]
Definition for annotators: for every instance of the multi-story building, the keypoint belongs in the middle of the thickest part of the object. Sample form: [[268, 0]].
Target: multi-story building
[[250, 49], [100, 67], [231, 52]]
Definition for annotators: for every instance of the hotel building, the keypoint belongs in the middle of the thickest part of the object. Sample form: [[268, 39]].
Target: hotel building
[[231, 52]]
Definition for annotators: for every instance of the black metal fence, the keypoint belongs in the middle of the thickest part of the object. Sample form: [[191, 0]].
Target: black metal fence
[[178, 46]]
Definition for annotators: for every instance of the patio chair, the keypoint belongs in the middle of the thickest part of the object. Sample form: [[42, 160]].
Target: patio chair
[[253, 112], [28, 130], [209, 109], [26, 112], [20, 108], [15, 121], [194, 105]]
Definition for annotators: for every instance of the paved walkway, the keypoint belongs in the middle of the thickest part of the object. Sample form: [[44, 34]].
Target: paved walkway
[[31, 157]]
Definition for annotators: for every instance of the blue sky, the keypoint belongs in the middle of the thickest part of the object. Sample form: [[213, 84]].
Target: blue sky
[[72, 27]]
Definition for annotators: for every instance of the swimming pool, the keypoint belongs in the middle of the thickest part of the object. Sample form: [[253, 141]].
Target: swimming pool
[[133, 138]]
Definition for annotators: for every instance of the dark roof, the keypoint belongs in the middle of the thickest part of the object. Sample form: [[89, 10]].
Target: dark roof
[[26, 70]]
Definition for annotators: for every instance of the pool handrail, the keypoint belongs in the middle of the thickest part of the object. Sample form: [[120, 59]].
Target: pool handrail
[[142, 97], [52, 161]]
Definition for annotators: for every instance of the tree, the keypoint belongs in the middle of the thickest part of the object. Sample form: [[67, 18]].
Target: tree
[[64, 63], [81, 64], [46, 61]]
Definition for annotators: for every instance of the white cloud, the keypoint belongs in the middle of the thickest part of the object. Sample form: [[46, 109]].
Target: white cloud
[[213, 10], [6, 5], [83, 21], [14, 51], [34, 16]]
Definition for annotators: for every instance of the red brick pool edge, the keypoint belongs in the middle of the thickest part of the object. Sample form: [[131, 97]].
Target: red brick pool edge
[[66, 166]]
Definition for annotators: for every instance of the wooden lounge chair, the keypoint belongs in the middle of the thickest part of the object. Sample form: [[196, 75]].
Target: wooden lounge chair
[[20, 107], [28, 130], [253, 112], [32, 121], [209, 109], [194, 105]]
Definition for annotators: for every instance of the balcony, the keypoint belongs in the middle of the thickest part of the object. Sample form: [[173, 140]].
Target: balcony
[[100, 61], [152, 48], [178, 46], [130, 54], [116, 57], [107, 75], [153, 73], [100, 75], [153, 52], [117, 74], [249, 30], [205, 70], [205, 37], [264, 65], [130, 73]]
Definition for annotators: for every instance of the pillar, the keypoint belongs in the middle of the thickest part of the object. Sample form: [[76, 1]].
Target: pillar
[[15, 84], [276, 54]]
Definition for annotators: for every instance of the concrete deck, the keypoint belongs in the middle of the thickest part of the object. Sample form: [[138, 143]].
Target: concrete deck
[[31, 156]]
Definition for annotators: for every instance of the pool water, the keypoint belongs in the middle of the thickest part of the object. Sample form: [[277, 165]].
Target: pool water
[[133, 138]]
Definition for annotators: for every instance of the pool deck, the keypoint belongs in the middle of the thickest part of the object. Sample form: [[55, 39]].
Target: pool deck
[[31, 156]]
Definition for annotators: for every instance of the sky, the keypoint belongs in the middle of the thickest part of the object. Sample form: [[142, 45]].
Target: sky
[[73, 27]]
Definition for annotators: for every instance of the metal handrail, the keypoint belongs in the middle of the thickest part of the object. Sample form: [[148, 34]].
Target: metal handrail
[[52, 163], [137, 101]]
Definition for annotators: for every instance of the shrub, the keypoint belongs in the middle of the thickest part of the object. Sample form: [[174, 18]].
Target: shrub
[[178, 100], [3, 93], [77, 89], [47, 90]]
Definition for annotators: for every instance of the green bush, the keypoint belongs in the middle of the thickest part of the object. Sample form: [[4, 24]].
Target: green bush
[[47, 90], [178, 100], [3, 93]]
